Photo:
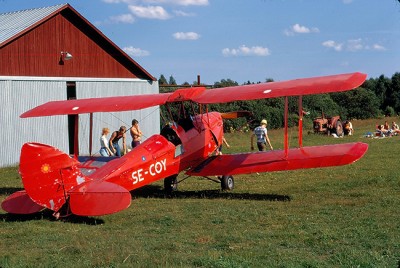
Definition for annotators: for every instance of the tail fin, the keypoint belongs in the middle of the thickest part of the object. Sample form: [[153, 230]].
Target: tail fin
[[48, 174]]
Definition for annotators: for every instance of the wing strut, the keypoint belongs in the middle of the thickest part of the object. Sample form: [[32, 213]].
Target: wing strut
[[300, 121], [76, 137], [286, 141], [91, 134]]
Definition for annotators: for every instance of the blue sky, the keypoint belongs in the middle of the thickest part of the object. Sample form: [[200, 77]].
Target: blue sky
[[247, 40]]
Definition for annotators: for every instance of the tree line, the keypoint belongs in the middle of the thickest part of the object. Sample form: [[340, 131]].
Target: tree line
[[376, 97]]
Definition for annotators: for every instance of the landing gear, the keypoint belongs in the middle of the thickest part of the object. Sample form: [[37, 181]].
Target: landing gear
[[171, 184], [227, 183]]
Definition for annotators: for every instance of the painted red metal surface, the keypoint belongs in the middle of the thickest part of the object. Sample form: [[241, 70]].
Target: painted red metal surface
[[298, 158], [20, 203]]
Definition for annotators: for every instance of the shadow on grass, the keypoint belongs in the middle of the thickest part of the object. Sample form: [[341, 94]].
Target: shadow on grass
[[152, 191], [149, 191], [48, 215], [9, 190]]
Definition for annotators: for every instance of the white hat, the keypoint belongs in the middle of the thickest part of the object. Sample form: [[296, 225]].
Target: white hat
[[263, 122]]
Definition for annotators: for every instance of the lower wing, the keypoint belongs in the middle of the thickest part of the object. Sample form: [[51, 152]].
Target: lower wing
[[278, 160]]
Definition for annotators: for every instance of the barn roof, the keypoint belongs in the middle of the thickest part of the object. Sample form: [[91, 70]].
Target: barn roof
[[14, 23], [17, 23]]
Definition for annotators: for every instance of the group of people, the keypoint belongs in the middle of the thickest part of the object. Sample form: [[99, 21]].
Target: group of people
[[111, 147], [386, 130]]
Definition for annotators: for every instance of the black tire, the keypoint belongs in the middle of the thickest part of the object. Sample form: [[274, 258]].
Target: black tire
[[227, 183], [170, 184], [339, 128]]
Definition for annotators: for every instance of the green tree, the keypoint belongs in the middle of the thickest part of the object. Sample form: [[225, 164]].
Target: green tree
[[225, 83], [162, 80], [358, 104], [321, 104], [172, 80], [395, 85]]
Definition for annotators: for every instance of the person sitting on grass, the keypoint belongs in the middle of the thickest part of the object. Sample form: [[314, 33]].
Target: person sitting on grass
[[382, 132]]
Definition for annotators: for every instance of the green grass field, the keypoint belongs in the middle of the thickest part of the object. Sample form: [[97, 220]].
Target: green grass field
[[333, 217]]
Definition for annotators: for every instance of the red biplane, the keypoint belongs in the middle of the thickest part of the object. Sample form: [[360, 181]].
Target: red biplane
[[59, 182]]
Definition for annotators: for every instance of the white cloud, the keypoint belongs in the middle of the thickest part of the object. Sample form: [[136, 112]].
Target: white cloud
[[186, 36], [332, 44], [352, 45], [378, 47], [119, 1], [153, 9], [136, 52], [161, 2], [149, 12], [355, 45], [246, 51], [124, 18], [181, 13], [299, 29], [179, 2], [347, 1]]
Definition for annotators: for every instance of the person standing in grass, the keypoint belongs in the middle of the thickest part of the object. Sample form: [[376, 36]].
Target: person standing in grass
[[261, 133], [219, 150]]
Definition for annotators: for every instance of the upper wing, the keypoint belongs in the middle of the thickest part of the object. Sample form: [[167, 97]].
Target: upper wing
[[297, 87], [297, 158], [92, 105]]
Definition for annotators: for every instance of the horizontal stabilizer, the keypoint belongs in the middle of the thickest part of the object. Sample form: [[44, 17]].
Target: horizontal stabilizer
[[20, 203], [97, 198], [277, 160]]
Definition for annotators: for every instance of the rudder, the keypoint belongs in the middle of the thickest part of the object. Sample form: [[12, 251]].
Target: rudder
[[48, 174]]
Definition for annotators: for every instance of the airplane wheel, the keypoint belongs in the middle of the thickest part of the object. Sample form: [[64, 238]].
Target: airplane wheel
[[227, 183], [171, 184]]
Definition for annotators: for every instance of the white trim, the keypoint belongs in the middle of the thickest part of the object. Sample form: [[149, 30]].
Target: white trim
[[91, 79]]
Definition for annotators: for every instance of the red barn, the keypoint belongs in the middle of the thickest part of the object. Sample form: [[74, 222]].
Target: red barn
[[53, 53]]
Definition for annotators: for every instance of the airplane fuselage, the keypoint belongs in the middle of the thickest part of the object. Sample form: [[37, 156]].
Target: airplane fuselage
[[180, 145]]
